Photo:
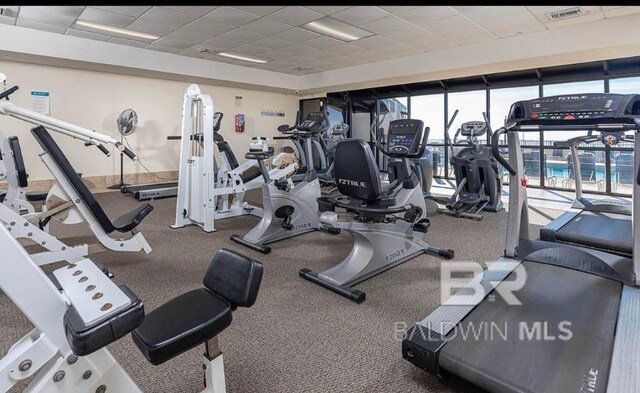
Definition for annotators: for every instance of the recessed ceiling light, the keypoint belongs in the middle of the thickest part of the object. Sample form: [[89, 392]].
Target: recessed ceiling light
[[116, 30], [242, 57], [337, 29]]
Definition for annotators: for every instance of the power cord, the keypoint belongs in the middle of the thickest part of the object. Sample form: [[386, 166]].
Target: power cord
[[126, 141]]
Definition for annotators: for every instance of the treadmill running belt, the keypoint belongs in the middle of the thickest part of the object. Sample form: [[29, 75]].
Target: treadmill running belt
[[552, 295], [604, 231]]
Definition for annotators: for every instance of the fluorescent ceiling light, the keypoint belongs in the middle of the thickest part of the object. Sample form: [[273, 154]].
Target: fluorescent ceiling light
[[116, 30], [242, 57], [337, 29]]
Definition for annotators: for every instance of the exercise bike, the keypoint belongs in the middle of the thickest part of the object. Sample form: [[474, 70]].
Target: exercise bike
[[289, 210], [382, 221], [477, 174]]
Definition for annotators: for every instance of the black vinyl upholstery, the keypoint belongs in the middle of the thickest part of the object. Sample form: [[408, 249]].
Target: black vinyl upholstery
[[232, 280], [123, 224], [18, 161], [235, 277], [181, 324], [36, 196], [356, 172]]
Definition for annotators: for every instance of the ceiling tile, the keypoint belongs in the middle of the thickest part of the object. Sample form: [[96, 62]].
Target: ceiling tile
[[398, 9], [134, 11], [266, 26], [168, 17], [173, 43], [222, 43], [124, 41], [68, 11], [328, 9], [87, 34], [7, 20], [295, 15], [322, 42], [40, 26], [344, 49], [520, 24], [106, 17], [205, 26], [192, 10], [147, 26], [242, 35], [298, 49], [373, 42], [476, 39], [43, 16], [231, 16], [250, 49], [429, 41], [424, 14], [384, 25], [191, 53], [468, 8], [277, 54], [611, 12], [408, 34], [393, 48], [260, 10], [360, 14], [493, 14], [189, 36], [161, 48], [296, 35], [454, 28], [272, 43]]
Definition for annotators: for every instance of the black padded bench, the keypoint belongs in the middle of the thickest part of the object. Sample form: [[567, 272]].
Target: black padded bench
[[125, 223], [21, 171], [232, 280]]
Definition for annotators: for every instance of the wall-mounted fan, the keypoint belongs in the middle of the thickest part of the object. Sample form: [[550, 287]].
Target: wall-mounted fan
[[126, 123]]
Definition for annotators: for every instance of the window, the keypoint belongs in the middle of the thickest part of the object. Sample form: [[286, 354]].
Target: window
[[430, 109], [501, 101], [470, 105], [625, 85]]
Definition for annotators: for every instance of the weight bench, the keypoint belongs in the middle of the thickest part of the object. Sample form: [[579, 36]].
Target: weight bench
[[198, 316], [86, 203]]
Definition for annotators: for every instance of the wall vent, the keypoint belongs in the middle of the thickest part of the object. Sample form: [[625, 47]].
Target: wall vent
[[566, 13]]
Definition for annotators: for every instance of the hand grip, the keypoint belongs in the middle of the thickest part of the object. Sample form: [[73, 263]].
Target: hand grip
[[495, 150], [126, 151], [174, 137], [8, 92], [104, 150]]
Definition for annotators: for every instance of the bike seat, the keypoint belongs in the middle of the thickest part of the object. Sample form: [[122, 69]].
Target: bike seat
[[259, 155]]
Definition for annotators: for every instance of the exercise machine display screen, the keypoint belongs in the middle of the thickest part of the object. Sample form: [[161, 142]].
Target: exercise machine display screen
[[406, 138], [576, 107], [315, 123]]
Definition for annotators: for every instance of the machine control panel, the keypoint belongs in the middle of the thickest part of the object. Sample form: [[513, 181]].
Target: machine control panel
[[315, 123], [406, 138], [576, 107], [473, 128]]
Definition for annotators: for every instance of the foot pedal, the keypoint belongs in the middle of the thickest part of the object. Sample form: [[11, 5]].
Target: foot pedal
[[281, 185], [422, 225]]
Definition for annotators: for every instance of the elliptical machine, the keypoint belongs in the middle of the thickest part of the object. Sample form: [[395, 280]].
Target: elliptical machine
[[288, 210], [479, 186], [382, 221]]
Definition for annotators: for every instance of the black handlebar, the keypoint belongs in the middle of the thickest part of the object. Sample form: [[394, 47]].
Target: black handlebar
[[104, 150], [174, 137], [8, 92], [495, 150], [126, 151]]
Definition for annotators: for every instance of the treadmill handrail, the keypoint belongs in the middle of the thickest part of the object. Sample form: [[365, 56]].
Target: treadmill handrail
[[495, 150]]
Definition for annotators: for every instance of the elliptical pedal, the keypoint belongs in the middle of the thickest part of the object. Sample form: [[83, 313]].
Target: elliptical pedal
[[421, 225]]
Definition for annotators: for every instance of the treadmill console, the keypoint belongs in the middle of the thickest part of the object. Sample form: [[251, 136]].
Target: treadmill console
[[406, 138], [217, 121], [473, 128], [315, 123], [576, 107]]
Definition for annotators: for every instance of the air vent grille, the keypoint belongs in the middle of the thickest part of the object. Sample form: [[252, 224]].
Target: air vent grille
[[566, 13]]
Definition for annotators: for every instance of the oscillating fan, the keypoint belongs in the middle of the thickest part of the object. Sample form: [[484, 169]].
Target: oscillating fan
[[127, 123]]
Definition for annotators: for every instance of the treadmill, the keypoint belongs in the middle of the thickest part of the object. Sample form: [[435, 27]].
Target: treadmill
[[600, 224], [575, 323], [142, 192]]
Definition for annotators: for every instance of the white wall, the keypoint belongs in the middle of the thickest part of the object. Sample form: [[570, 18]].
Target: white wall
[[95, 99]]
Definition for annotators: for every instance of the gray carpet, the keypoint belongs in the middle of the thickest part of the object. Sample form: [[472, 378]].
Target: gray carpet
[[298, 336]]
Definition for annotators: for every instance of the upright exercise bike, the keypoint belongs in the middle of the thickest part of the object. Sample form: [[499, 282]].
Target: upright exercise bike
[[288, 210], [478, 181], [382, 221]]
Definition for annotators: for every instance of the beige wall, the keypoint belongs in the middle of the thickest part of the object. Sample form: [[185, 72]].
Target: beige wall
[[95, 99]]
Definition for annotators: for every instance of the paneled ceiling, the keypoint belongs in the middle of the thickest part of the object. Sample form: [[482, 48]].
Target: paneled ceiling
[[273, 33]]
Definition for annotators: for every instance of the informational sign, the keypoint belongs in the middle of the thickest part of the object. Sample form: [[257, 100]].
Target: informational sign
[[238, 100], [40, 102], [270, 112]]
